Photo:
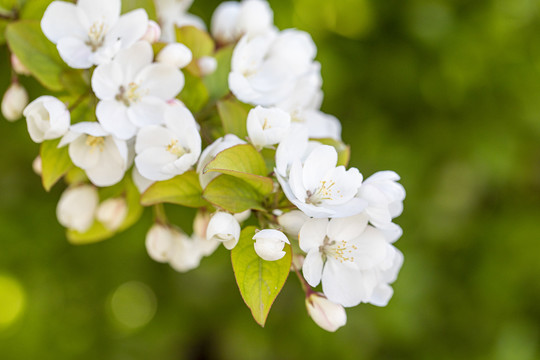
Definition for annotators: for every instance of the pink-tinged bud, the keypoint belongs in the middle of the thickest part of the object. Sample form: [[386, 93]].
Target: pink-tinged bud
[[153, 32], [207, 65], [159, 242], [37, 165], [112, 213], [18, 66], [225, 228], [175, 54], [77, 206], [14, 101], [200, 223], [328, 315]]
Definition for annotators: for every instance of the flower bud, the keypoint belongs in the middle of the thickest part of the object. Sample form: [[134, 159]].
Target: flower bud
[[47, 118], [37, 165], [18, 66], [185, 254], [175, 54], [153, 32], [269, 244], [292, 221], [207, 65], [77, 206], [112, 213], [14, 101], [242, 216], [159, 242], [328, 315], [225, 228]]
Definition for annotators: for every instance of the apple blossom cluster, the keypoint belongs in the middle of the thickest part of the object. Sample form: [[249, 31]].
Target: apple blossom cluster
[[226, 122]]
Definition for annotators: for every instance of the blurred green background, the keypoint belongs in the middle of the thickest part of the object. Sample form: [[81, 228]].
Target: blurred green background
[[446, 93]]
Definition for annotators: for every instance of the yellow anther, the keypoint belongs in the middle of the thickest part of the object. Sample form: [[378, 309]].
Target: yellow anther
[[95, 142]]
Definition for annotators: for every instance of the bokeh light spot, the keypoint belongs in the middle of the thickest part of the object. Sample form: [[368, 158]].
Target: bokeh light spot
[[133, 304], [12, 300]]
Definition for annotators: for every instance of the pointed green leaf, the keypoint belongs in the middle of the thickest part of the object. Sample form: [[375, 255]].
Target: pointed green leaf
[[182, 190], [344, 151], [37, 53], [233, 194], [233, 114], [55, 162], [259, 281], [218, 82], [244, 162], [97, 232]]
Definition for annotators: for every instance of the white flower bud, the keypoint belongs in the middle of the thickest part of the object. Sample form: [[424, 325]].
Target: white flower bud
[[18, 66], [175, 54], [224, 22], [153, 32], [267, 126], [159, 242], [328, 315], [185, 254], [37, 165], [77, 206], [225, 228], [112, 213], [14, 101], [47, 118], [207, 65], [243, 216], [269, 244], [292, 221]]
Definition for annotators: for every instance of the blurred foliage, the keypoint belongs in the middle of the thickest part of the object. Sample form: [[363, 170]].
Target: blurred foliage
[[447, 93]]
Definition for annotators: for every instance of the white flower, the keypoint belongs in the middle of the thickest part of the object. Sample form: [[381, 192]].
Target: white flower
[[269, 244], [384, 197], [92, 31], [47, 118], [133, 90], [153, 32], [292, 221], [103, 157], [242, 216], [225, 228], [159, 242], [207, 65], [383, 291], [232, 20], [328, 315], [164, 152], [319, 124], [266, 69], [176, 55], [140, 181], [172, 14], [112, 212], [37, 165], [346, 255], [185, 253], [14, 101], [210, 153], [206, 246], [77, 206], [267, 126]]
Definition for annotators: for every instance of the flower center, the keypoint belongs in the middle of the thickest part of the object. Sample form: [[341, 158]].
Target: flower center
[[95, 142], [130, 95], [339, 250], [96, 35], [176, 149], [323, 192]]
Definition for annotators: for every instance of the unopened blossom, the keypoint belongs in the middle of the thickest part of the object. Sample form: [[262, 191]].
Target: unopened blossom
[[91, 32], [267, 126], [172, 14], [14, 102], [224, 228], [103, 157], [112, 212], [205, 246], [159, 242], [18, 66], [292, 221], [166, 151], [185, 253], [153, 32], [77, 206], [269, 244], [384, 197], [176, 55], [232, 20], [37, 165], [47, 118], [210, 153], [207, 65], [133, 91], [327, 314], [242, 216], [345, 254]]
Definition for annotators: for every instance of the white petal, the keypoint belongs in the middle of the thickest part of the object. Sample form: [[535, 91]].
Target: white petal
[[112, 115], [147, 111], [312, 234], [381, 295], [83, 155], [61, 20], [130, 27], [153, 136], [161, 80], [111, 166], [313, 267], [75, 52], [151, 162], [106, 11], [320, 161], [347, 228], [134, 59], [106, 80], [344, 285]]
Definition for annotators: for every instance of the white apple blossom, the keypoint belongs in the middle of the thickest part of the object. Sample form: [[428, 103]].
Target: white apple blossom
[[207, 65], [140, 181], [185, 253], [164, 152], [384, 197], [292, 221], [267, 126], [153, 32], [242, 216], [133, 90], [77, 206], [225, 228], [47, 118], [176, 55], [112, 212], [327, 314], [383, 291], [103, 157], [173, 13], [319, 124], [91, 32], [210, 153], [159, 242], [14, 102], [37, 165], [269, 244], [206, 246], [266, 69], [232, 20]]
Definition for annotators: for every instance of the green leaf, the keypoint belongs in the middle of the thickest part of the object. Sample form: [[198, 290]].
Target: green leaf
[[74, 81], [344, 151], [218, 82], [233, 194], [97, 232], [194, 95], [259, 281], [244, 162], [37, 53], [182, 190], [3, 24], [55, 162], [198, 41], [233, 114], [34, 9], [148, 5]]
